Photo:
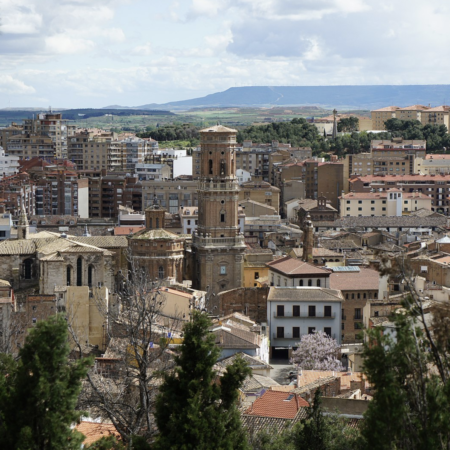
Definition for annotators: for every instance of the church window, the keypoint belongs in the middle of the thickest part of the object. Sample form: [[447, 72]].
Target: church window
[[79, 272], [309, 282], [68, 275], [150, 224], [210, 166], [300, 283], [27, 265], [318, 283], [157, 222], [161, 272], [223, 270], [222, 217]]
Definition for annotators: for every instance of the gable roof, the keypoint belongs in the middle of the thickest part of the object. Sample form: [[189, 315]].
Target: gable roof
[[297, 293], [255, 383], [253, 363], [355, 281], [229, 337], [291, 266], [282, 405]]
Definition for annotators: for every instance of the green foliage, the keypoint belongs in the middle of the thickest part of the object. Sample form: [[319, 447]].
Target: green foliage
[[174, 132], [39, 395], [196, 410], [348, 124], [106, 443], [411, 405]]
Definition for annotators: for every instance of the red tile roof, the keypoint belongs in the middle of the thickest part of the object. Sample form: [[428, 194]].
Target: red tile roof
[[276, 404], [365, 279], [95, 431], [125, 231], [293, 266]]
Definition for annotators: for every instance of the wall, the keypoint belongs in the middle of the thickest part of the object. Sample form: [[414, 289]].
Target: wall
[[182, 166], [83, 198], [249, 301]]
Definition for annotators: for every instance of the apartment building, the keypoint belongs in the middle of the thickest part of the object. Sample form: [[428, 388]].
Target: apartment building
[[7, 132], [107, 193], [15, 190], [432, 164], [157, 172], [27, 146], [392, 202], [178, 161], [261, 192], [293, 312], [171, 194], [438, 115], [9, 165], [51, 125], [134, 149], [436, 187], [92, 150]]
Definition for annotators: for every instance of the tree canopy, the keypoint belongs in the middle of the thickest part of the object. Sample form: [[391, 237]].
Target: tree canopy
[[195, 409]]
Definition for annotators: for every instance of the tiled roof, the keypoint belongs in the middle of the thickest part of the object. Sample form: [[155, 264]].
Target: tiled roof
[[125, 231], [254, 424], [308, 377], [20, 247], [95, 431], [409, 221], [253, 363], [103, 241], [312, 294], [293, 266], [415, 108], [159, 233], [4, 283], [401, 178], [386, 108], [230, 337], [355, 281], [218, 129], [282, 405], [381, 195], [255, 383]]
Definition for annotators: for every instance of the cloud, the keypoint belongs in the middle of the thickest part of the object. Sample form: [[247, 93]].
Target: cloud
[[66, 45], [9, 85], [143, 50]]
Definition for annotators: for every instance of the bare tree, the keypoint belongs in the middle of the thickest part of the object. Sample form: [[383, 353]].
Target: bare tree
[[123, 384]]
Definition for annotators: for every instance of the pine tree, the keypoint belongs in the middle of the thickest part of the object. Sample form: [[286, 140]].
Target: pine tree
[[195, 409], [39, 395]]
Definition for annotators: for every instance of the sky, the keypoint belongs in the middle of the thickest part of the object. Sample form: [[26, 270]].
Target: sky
[[95, 53]]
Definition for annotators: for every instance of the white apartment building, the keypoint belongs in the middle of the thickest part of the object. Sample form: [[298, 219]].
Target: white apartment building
[[157, 172], [9, 165], [392, 202], [432, 164], [293, 312]]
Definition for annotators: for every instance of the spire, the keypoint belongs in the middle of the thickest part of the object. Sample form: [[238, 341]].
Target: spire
[[86, 232], [23, 227], [334, 124]]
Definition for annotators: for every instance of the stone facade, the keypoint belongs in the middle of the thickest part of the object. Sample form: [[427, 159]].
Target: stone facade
[[218, 244]]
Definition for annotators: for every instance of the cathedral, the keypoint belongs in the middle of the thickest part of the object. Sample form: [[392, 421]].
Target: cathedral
[[218, 245]]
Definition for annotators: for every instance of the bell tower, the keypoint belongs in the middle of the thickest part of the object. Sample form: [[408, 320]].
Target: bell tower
[[218, 246]]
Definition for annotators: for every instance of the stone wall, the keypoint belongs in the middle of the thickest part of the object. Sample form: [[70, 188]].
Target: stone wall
[[249, 301]]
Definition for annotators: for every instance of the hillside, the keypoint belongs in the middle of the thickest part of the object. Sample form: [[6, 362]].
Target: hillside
[[341, 97]]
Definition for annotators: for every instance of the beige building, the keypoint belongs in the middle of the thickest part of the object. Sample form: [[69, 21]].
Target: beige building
[[27, 146], [432, 164], [261, 192], [392, 202], [438, 115]]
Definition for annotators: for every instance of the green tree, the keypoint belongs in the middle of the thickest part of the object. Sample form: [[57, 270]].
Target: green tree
[[195, 409], [39, 395], [348, 124]]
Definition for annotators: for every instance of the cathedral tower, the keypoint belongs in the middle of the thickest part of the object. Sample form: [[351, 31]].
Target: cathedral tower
[[218, 246], [23, 228]]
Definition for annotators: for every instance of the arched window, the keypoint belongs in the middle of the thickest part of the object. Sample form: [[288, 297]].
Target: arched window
[[300, 283], [309, 282], [79, 272], [222, 216], [90, 273], [69, 275], [27, 268], [161, 272], [318, 283], [210, 166]]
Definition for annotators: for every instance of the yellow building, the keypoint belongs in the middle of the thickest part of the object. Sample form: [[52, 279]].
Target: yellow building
[[379, 116], [432, 164], [256, 273], [261, 192]]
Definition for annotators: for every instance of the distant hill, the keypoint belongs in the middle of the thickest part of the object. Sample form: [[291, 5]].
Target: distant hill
[[344, 97], [76, 114]]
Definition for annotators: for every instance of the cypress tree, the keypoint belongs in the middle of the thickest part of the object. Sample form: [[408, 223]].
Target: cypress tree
[[196, 409], [39, 393]]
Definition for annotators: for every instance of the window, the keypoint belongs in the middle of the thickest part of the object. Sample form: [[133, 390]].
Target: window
[[295, 332], [358, 325], [90, 272], [309, 282], [27, 266], [376, 313], [79, 272], [256, 275], [68, 275], [280, 310], [222, 217], [223, 270], [342, 326], [358, 314], [311, 311], [327, 311], [300, 283], [210, 167], [311, 330], [318, 283], [280, 332], [327, 331], [296, 310], [161, 272]]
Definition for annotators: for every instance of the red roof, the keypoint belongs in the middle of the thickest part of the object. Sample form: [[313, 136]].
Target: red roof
[[293, 266], [94, 431], [282, 405], [125, 231]]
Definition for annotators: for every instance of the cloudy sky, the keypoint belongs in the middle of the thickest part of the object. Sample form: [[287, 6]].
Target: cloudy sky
[[93, 53]]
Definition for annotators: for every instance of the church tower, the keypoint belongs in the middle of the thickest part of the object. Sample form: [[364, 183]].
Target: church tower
[[218, 246], [23, 228], [308, 240]]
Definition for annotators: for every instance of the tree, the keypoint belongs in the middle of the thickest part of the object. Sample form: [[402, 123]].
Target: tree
[[317, 351], [348, 124], [409, 372], [38, 393], [195, 409], [137, 336]]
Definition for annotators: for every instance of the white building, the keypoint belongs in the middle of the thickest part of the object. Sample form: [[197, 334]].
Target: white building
[[392, 202], [9, 165], [6, 225], [182, 166], [157, 172], [243, 176], [293, 312]]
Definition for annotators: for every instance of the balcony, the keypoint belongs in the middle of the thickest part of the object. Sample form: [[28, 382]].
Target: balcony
[[237, 241], [288, 336], [212, 186], [358, 317], [304, 315]]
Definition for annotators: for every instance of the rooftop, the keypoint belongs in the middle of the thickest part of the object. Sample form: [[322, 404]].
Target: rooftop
[[364, 279], [293, 266], [297, 294]]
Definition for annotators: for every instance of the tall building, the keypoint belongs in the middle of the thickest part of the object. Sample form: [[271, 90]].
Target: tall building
[[218, 245]]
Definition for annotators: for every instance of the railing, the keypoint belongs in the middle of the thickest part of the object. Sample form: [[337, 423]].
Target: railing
[[304, 315], [290, 336], [213, 186], [358, 317], [219, 242]]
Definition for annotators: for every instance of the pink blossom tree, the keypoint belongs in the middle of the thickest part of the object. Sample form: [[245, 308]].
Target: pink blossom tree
[[317, 351]]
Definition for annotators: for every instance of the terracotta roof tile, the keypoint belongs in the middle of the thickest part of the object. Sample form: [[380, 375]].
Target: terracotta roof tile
[[283, 405], [95, 431], [293, 266], [355, 281]]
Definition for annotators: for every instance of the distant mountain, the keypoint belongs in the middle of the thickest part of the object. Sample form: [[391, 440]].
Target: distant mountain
[[344, 97]]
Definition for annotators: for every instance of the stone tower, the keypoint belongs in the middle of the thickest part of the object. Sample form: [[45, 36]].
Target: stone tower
[[155, 216], [218, 246], [23, 228], [308, 240]]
